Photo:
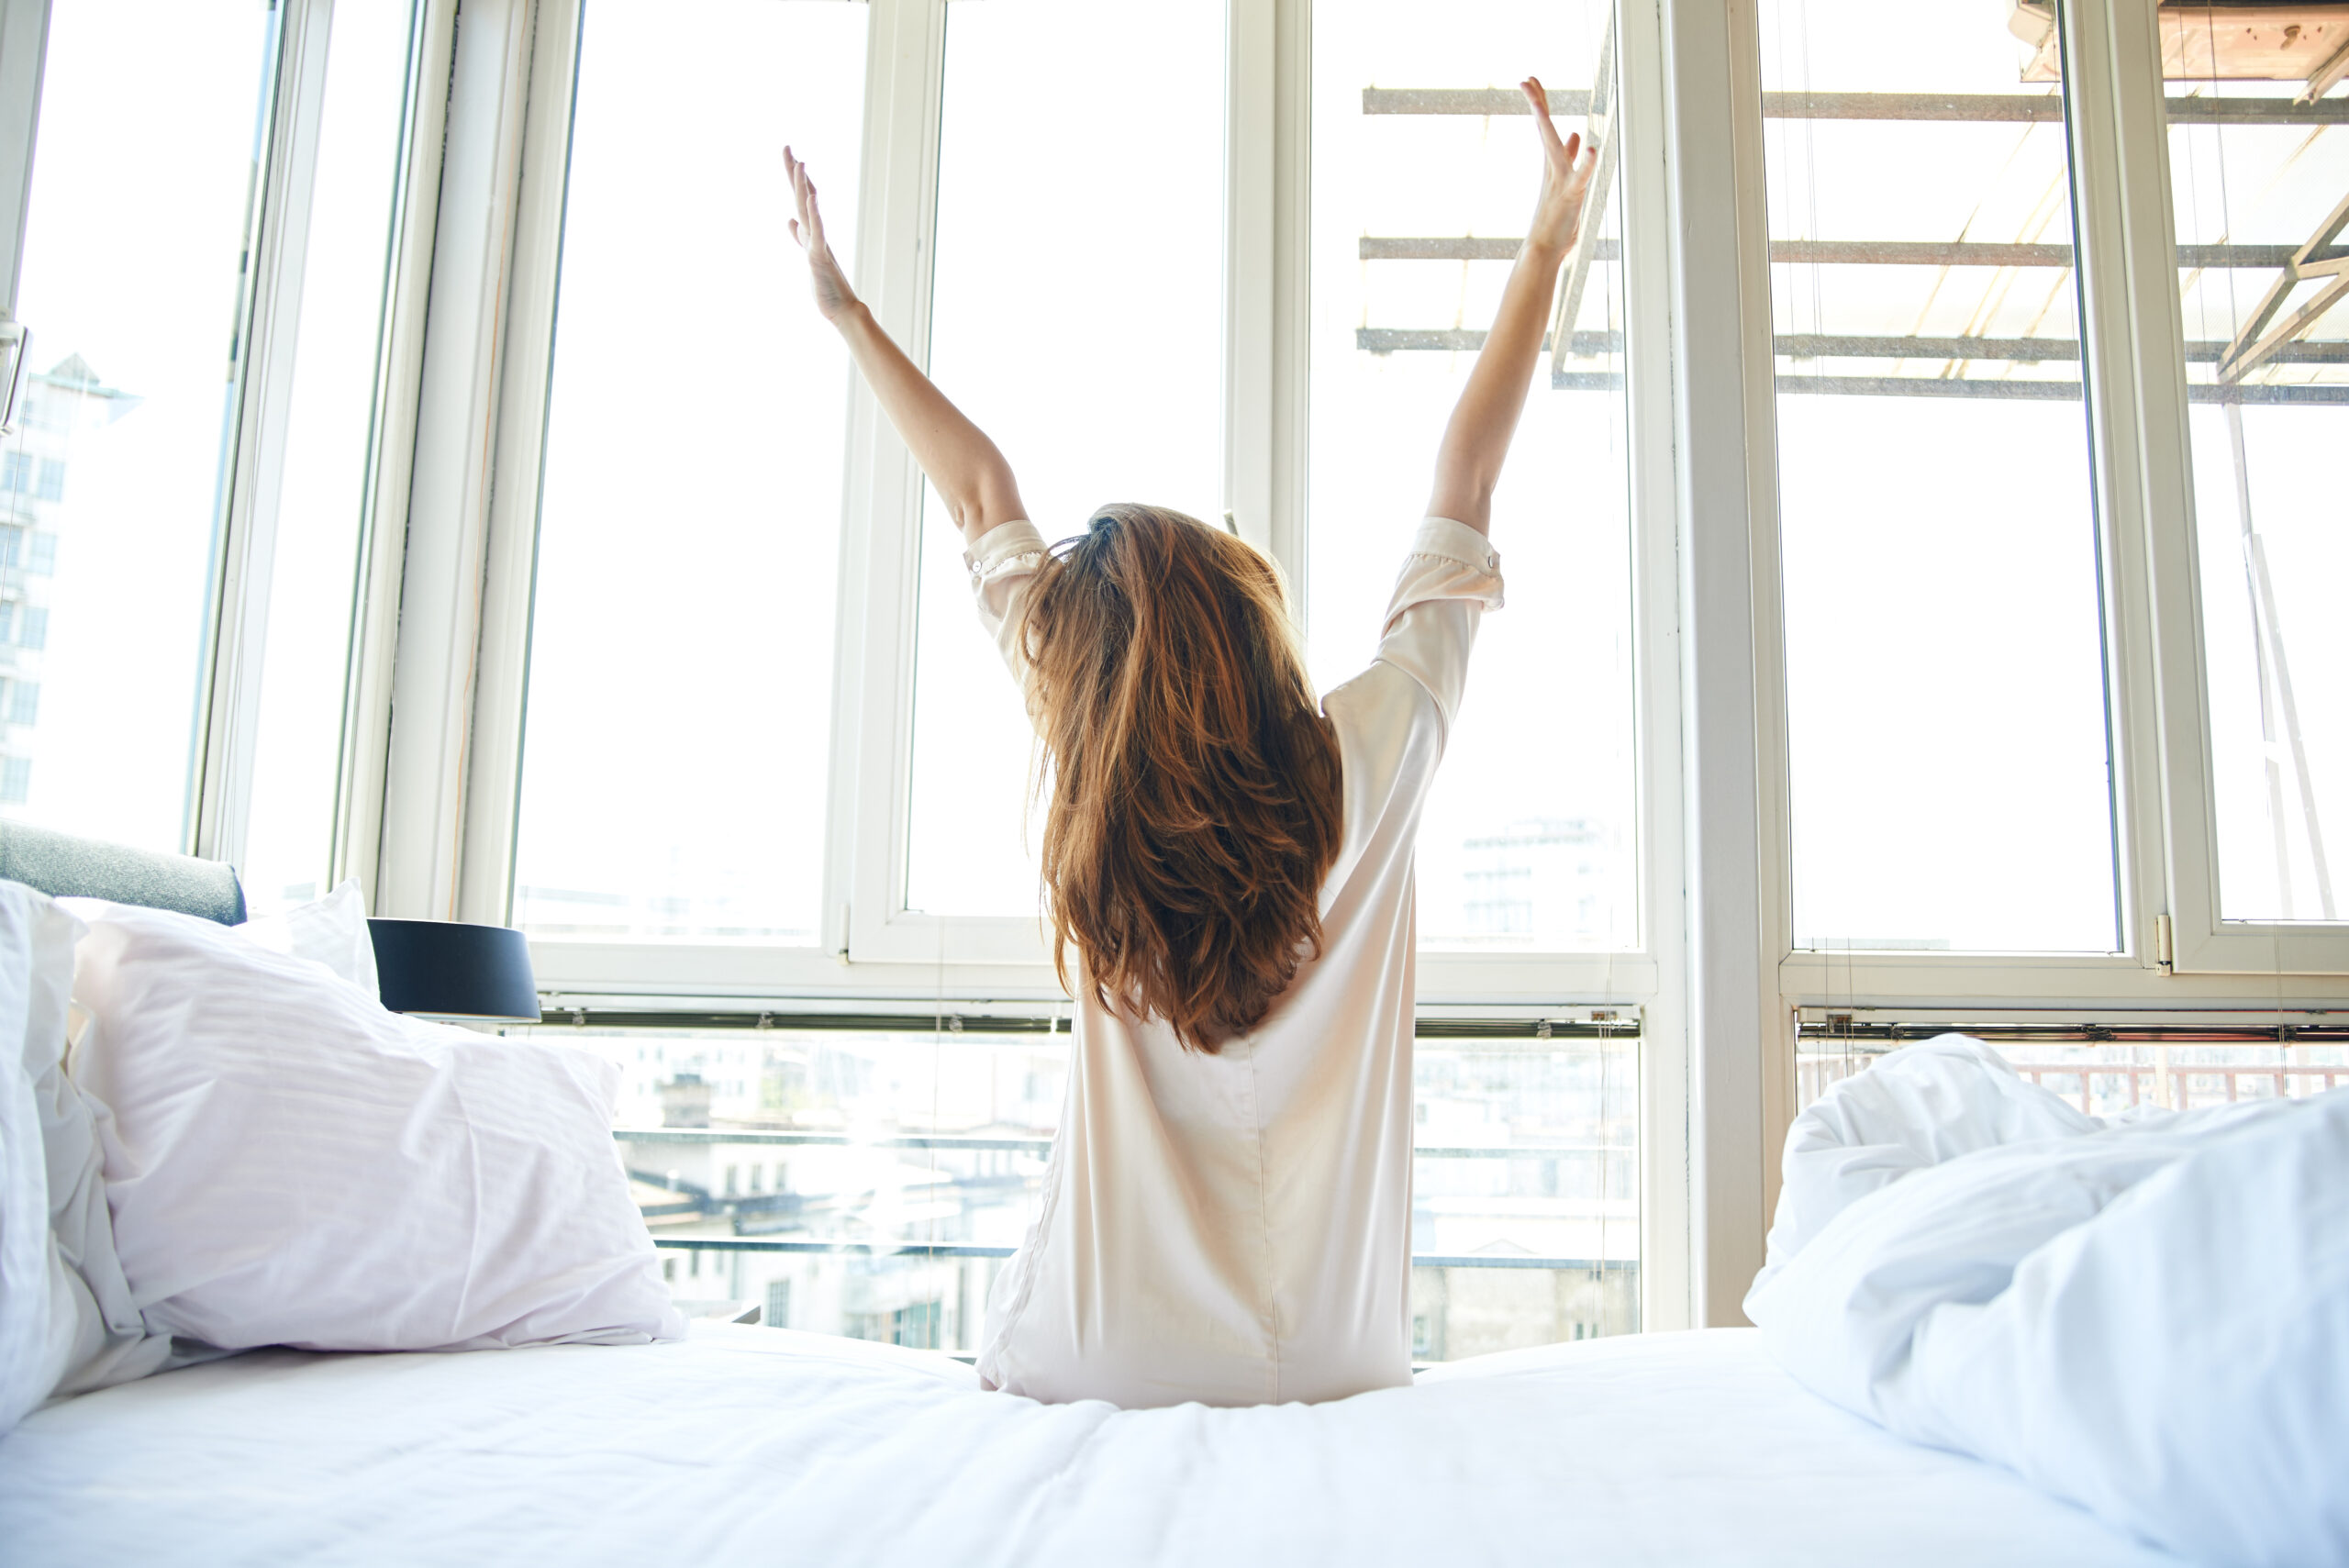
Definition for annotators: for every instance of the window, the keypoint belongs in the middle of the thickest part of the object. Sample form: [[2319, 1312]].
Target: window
[[132, 282], [1531, 838], [16, 780], [316, 519], [52, 480], [681, 317], [41, 561], [1950, 758], [24, 702], [2258, 183], [32, 631], [917, 1158]]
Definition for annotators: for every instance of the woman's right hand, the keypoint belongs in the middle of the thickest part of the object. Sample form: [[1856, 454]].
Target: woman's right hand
[[834, 298]]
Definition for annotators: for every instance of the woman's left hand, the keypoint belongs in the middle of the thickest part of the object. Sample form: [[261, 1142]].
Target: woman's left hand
[[1566, 177]]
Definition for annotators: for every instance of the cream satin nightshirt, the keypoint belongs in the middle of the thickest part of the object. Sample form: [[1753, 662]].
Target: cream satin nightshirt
[[1235, 1229]]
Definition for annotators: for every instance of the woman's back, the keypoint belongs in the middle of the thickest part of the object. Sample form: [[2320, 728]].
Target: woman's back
[[1234, 1226], [1228, 1213]]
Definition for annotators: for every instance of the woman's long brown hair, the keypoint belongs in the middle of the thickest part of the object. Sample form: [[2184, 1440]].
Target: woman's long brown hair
[[1195, 806]]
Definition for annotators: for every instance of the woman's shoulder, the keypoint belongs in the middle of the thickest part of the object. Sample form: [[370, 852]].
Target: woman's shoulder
[[1383, 697], [1387, 726]]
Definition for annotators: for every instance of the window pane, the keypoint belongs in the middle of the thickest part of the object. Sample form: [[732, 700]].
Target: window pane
[[674, 770], [1529, 837], [148, 152], [1943, 623], [1085, 335], [899, 1170], [2267, 390], [298, 747]]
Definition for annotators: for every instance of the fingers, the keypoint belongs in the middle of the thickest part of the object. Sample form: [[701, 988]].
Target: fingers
[[808, 227], [1539, 97]]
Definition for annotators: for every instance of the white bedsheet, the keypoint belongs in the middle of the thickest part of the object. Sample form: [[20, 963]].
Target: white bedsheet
[[754, 1445]]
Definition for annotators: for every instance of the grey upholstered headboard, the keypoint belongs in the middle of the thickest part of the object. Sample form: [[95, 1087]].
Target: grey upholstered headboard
[[66, 867]]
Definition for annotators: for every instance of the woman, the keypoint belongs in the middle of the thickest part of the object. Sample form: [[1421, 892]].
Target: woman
[[1226, 1217]]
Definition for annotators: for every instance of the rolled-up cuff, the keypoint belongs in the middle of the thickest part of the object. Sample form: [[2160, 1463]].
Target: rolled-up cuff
[[1013, 544], [1449, 540]]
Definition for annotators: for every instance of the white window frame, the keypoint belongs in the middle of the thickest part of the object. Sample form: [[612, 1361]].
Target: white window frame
[[871, 944], [2198, 942], [220, 788], [2173, 952]]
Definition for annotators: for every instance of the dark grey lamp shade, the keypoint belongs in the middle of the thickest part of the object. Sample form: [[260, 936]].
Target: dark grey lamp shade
[[446, 969]]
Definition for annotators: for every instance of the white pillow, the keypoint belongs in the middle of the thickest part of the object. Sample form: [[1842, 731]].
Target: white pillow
[[332, 930], [66, 1317], [289, 1163]]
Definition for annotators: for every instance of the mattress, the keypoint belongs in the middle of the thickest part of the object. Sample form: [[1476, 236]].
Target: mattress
[[753, 1445]]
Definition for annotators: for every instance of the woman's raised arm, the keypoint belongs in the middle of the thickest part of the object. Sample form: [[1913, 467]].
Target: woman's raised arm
[[970, 473], [1468, 465]]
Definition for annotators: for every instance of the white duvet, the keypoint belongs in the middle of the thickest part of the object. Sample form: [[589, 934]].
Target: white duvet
[[756, 1446], [2150, 1319]]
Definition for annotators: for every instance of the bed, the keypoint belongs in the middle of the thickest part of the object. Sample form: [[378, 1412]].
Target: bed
[[743, 1444], [2142, 1330]]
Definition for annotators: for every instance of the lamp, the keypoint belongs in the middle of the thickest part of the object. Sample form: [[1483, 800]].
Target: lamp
[[446, 969]]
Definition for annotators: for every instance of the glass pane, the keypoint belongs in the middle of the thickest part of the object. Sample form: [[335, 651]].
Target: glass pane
[[2256, 177], [1098, 372], [1944, 657], [674, 769], [1418, 200], [151, 125], [881, 1179], [298, 747], [1525, 1207]]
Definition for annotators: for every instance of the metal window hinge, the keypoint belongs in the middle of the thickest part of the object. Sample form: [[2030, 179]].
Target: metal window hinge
[[2162, 954]]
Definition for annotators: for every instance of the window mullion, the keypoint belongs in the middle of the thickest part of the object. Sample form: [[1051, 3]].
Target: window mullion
[[1255, 82], [880, 563], [277, 249], [2122, 363], [1645, 175], [1268, 110], [1732, 682], [433, 678], [493, 777], [375, 631]]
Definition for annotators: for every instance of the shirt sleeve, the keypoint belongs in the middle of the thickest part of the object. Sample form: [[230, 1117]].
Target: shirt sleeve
[[1003, 561], [1449, 578]]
